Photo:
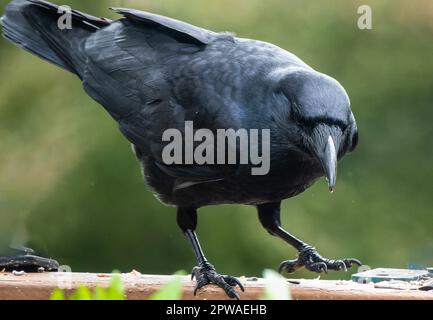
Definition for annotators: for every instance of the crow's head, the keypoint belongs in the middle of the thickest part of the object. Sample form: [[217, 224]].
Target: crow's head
[[319, 111]]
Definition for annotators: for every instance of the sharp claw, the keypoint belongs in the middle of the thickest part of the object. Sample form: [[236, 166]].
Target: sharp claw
[[193, 271], [236, 296], [289, 266], [356, 261], [234, 282], [349, 262], [230, 291], [241, 286], [207, 275], [344, 266], [200, 284]]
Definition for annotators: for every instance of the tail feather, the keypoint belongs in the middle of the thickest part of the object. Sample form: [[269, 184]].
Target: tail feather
[[33, 25]]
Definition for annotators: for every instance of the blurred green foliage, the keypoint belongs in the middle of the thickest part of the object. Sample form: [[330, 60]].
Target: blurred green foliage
[[114, 291], [170, 291], [277, 287], [71, 187]]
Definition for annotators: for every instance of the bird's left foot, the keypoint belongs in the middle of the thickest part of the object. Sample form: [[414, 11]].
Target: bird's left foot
[[206, 274], [313, 261]]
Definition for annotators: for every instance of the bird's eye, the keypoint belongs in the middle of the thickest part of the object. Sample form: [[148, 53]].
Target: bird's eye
[[354, 141]]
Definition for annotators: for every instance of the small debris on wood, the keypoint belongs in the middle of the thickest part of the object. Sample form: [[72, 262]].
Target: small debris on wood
[[18, 273], [103, 275], [135, 273], [422, 284]]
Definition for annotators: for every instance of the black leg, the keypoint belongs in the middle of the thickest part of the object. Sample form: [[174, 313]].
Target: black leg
[[204, 272], [23, 259], [269, 215]]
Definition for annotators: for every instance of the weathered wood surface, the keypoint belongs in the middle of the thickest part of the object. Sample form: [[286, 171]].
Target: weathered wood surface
[[37, 286]]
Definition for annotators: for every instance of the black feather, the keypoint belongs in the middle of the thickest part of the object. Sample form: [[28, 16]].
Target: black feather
[[152, 73]]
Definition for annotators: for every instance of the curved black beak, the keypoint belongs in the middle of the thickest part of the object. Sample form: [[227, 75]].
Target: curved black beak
[[325, 150], [329, 163]]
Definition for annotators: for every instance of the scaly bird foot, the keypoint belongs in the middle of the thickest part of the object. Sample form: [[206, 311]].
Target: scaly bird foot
[[313, 261], [26, 261], [206, 274]]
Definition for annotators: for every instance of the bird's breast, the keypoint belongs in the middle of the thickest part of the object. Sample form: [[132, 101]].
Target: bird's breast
[[285, 179]]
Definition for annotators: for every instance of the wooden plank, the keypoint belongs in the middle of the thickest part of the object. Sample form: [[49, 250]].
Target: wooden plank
[[38, 286]]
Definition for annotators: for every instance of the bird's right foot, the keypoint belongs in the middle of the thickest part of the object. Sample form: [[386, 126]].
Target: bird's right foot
[[313, 261], [206, 274]]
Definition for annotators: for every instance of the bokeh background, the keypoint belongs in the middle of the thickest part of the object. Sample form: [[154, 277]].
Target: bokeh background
[[71, 188]]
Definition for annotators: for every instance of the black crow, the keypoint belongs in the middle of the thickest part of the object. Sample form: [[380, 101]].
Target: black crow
[[152, 73]]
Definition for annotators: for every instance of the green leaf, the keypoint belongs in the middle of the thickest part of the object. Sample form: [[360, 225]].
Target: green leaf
[[82, 293], [172, 290], [277, 287], [116, 291], [100, 293], [57, 294]]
